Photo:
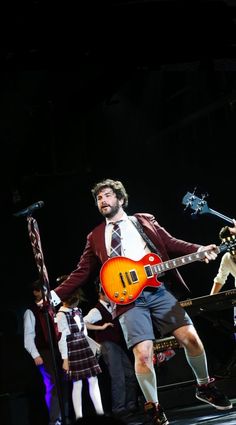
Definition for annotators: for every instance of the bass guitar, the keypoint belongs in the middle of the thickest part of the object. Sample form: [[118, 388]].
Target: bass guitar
[[199, 206], [123, 279]]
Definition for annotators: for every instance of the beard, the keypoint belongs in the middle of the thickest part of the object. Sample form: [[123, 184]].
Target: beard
[[113, 210]]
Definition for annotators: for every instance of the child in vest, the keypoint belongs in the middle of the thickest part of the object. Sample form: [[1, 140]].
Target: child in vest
[[36, 342], [108, 333]]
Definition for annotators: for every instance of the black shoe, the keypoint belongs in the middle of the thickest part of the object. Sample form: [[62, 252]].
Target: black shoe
[[156, 413], [209, 393]]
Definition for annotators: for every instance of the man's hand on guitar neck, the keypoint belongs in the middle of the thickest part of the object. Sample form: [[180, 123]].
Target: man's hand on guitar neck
[[211, 252]]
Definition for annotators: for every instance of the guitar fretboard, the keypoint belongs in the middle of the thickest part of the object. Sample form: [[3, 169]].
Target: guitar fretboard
[[181, 261]]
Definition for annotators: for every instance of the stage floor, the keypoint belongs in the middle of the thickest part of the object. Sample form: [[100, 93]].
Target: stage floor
[[193, 415]]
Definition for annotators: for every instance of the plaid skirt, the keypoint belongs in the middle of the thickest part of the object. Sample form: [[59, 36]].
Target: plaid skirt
[[82, 362]]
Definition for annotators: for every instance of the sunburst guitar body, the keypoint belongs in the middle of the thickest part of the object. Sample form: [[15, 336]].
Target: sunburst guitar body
[[124, 279]]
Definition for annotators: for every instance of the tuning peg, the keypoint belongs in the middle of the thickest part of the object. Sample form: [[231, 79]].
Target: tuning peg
[[200, 205], [190, 202], [205, 195]]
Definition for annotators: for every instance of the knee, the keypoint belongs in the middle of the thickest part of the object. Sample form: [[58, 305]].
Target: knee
[[143, 356], [193, 342]]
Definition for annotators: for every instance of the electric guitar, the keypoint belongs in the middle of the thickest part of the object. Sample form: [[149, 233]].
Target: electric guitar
[[199, 206], [123, 279]]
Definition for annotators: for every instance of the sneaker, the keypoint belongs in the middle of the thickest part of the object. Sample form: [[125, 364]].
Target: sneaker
[[156, 413], [209, 393]]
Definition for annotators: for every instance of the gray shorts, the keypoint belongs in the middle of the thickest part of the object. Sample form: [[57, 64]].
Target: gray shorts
[[155, 309]]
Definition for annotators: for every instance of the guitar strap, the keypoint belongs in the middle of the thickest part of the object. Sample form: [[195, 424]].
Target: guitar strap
[[139, 227]]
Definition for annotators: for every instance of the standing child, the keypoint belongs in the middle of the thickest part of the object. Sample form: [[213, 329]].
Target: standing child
[[79, 362], [36, 342], [108, 333]]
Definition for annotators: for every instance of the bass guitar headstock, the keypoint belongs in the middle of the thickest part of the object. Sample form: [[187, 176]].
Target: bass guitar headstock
[[196, 204], [199, 206]]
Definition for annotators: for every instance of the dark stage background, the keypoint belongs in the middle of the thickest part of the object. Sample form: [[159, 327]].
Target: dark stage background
[[146, 95]]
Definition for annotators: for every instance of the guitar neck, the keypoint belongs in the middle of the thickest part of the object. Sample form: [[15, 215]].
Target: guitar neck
[[186, 259], [224, 217]]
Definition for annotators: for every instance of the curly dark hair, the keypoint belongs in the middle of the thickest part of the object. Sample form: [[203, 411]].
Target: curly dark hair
[[115, 185], [224, 233]]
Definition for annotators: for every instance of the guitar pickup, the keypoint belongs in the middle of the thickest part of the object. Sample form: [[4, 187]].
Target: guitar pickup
[[148, 270], [128, 278], [133, 276]]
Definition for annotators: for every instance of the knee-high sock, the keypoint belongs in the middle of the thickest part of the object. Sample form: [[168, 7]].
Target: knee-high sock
[[94, 392], [77, 398], [148, 385], [199, 367]]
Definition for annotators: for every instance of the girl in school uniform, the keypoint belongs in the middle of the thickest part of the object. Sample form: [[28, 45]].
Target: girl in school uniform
[[79, 361]]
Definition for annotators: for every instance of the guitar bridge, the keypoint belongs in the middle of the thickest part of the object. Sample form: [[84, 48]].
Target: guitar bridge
[[122, 280]]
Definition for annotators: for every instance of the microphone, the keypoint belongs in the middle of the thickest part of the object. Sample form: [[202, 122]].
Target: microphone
[[29, 210]]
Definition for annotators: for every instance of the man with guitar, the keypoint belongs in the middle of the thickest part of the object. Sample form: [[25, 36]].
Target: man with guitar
[[142, 302]]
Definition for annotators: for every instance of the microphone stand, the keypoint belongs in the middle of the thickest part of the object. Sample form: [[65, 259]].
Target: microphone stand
[[34, 235]]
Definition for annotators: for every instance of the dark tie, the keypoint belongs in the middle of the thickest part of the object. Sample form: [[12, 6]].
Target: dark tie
[[115, 241]]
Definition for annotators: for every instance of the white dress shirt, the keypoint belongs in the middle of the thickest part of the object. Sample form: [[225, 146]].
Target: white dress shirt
[[29, 333], [132, 244], [227, 267], [94, 314]]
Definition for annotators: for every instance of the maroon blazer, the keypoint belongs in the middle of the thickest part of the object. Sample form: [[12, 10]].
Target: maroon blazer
[[95, 254]]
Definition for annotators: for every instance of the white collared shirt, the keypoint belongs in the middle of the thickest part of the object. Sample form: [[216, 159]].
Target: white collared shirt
[[227, 267], [94, 314], [29, 333], [132, 244]]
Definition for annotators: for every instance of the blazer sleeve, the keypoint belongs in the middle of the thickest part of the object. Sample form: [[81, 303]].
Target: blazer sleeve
[[86, 269]]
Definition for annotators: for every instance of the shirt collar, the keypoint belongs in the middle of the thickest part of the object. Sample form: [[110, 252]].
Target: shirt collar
[[66, 309], [105, 304], [124, 217]]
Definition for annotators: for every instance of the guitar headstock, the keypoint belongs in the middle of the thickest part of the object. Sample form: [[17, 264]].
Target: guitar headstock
[[198, 205], [229, 244]]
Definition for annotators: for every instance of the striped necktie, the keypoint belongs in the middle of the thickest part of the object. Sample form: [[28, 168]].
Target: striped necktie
[[115, 240]]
